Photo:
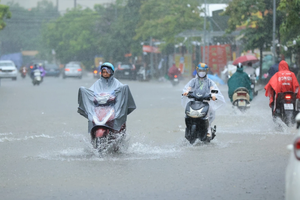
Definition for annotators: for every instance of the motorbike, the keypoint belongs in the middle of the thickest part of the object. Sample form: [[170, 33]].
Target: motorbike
[[174, 80], [287, 107], [196, 119], [241, 99], [102, 136], [253, 83], [143, 74], [37, 77], [23, 72]]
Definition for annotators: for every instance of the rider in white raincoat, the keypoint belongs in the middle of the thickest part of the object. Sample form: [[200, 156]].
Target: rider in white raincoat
[[204, 85]]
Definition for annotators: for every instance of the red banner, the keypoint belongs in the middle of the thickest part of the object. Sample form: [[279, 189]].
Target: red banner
[[218, 57]]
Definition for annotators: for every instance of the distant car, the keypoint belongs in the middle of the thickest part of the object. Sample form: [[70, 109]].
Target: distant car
[[292, 174], [8, 69], [72, 69], [52, 70], [125, 71]]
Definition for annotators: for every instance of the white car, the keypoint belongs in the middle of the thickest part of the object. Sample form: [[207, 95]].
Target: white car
[[8, 69], [72, 69], [292, 175]]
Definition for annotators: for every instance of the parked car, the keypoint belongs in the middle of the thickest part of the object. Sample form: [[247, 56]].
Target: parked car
[[72, 69], [126, 71], [8, 69], [52, 70], [292, 174]]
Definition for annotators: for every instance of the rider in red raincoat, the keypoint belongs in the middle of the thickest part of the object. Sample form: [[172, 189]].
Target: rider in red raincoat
[[173, 71], [282, 81]]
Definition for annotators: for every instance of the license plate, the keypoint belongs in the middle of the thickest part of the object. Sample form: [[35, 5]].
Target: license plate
[[175, 79], [126, 73], [288, 106], [242, 103], [38, 78]]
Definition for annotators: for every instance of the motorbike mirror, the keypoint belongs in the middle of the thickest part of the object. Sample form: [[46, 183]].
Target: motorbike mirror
[[214, 91]]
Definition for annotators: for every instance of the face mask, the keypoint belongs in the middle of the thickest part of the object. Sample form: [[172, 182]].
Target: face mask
[[202, 74]]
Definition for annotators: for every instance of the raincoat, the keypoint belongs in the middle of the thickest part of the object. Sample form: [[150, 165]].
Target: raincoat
[[124, 102], [205, 85], [173, 71], [282, 81], [239, 79]]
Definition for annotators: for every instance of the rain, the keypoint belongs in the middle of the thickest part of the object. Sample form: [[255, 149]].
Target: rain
[[60, 48]]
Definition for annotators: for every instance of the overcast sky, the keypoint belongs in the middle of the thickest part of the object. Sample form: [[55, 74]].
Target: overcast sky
[[62, 4]]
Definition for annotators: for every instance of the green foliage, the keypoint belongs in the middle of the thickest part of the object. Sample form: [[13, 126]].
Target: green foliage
[[73, 36], [117, 27], [164, 19], [290, 27], [23, 29], [4, 14]]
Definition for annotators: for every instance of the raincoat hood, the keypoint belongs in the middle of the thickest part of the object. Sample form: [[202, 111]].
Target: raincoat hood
[[239, 79], [240, 70], [283, 66]]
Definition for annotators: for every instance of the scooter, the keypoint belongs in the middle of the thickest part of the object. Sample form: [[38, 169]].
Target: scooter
[[37, 77], [102, 136], [196, 119], [174, 80], [143, 74], [287, 107], [241, 99], [253, 83], [23, 72]]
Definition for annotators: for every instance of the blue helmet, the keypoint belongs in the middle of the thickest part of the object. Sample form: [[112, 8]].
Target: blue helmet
[[108, 65], [202, 67]]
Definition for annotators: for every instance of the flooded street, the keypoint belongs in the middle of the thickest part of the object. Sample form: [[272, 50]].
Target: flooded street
[[46, 151]]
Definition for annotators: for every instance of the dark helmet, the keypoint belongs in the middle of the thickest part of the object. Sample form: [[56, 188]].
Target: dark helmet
[[109, 66], [239, 65]]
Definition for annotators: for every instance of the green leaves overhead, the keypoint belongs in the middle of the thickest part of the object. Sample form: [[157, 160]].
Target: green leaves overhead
[[73, 35], [165, 19], [4, 14]]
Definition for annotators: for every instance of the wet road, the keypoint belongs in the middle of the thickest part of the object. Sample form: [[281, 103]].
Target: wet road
[[46, 153]]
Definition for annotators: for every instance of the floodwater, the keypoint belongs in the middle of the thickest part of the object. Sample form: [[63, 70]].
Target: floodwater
[[46, 151]]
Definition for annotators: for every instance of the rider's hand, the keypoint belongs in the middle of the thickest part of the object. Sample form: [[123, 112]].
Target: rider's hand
[[213, 97], [185, 93]]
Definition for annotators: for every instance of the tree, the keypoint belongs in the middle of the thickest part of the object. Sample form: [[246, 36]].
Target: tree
[[117, 26], [4, 14], [257, 17], [289, 29], [164, 19], [23, 30], [73, 36]]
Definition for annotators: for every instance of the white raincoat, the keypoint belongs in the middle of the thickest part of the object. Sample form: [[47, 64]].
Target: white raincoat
[[205, 85]]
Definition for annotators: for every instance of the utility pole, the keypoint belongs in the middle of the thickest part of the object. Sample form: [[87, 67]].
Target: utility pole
[[74, 3], [274, 28], [57, 5], [204, 33], [151, 57]]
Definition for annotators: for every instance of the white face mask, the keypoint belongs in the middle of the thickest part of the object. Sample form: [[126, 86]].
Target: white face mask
[[202, 74]]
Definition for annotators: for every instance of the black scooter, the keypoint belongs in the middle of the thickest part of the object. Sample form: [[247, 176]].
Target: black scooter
[[287, 107], [196, 119]]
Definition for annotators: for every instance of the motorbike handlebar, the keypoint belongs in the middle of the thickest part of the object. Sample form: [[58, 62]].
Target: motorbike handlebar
[[207, 97]]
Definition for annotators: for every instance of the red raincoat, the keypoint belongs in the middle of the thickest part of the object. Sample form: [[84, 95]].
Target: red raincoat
[[173, 71], [282, 81]]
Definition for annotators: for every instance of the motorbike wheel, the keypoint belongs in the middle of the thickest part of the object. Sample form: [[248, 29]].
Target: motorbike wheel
[[288, 117]]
